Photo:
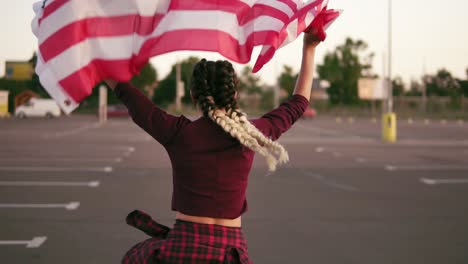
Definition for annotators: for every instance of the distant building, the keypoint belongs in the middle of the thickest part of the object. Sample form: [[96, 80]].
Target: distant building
[[18, 70]]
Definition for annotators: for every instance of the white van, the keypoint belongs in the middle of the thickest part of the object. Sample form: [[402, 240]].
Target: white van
[[36, 107]]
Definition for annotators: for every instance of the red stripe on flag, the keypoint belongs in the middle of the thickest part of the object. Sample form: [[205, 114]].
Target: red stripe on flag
[[220, 41], [291, 4], [79, 85], [231, 6]]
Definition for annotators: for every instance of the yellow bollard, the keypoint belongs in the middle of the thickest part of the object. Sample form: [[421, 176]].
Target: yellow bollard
[[389, 131], [4, 104]]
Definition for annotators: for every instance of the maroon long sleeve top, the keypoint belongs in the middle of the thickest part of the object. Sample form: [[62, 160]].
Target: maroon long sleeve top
[[210, 168]]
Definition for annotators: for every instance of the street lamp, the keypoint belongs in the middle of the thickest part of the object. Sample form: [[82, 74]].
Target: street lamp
[[390, 90], [389, 133]]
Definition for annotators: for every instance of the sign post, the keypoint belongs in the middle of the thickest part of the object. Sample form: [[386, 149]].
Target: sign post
[[180, 88], [102, 104]]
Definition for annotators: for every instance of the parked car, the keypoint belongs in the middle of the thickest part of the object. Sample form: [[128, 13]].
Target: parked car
[[36, 107], [117, 110], [310, 113]]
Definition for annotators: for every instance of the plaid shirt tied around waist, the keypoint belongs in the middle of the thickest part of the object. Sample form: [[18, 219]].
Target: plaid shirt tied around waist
[[186, 243]]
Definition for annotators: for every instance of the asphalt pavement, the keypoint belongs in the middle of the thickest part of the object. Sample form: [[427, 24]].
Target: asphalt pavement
[[67, 184]]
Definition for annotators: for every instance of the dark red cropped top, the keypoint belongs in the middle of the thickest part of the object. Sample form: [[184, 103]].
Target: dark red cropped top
[[210, 168]]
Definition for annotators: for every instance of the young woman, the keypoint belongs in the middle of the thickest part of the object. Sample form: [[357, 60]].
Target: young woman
[[211, 159]]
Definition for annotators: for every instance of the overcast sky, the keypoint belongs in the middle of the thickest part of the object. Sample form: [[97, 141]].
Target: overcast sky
[[428, 34]]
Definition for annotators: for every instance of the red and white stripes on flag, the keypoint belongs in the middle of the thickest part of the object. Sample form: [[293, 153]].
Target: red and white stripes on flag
[[82, 42]]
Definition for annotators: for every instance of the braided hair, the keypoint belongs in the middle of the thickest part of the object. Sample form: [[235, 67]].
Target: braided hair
[[214, 87]]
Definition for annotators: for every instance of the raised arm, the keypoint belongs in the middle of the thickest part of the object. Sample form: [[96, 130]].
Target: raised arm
[[280, 119], [155, 121], [306, 73]]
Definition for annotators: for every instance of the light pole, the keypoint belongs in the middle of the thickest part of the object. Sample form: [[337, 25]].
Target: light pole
[[390, 88], [389, 133]]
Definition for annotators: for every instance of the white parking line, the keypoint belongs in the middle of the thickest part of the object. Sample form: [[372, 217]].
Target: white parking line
[[57, 159], [71, 131], [361, 160], [45, 169], [91, 184], [33, 243], [69, 206], [443, 181], [319, 149], [425, 167], [331, 183]]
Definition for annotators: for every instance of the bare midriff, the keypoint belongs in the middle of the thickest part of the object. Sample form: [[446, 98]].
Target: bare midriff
[[209, 220]]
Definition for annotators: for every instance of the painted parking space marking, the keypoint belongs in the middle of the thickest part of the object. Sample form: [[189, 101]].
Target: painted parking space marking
[[55, 169], [68, 206], [49, 158], [425, 167], [71, 131], [91, 184], [331, 183], [443, 181], [33, 243], [361, 160]]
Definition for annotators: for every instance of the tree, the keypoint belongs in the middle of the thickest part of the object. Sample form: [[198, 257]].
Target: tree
[[443, 84], [146, 77], [343, 67], [415, 89], [36, 85], [248, 82], [464, 84], [398, 87], [166, 90], [287, 79]]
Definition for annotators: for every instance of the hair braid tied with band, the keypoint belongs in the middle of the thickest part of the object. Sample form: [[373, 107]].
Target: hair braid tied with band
[[214, 89]]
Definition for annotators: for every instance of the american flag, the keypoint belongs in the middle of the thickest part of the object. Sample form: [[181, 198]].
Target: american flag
[[82, 42]]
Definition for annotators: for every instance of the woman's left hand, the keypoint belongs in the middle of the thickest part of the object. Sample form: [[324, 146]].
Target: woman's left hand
[[111, 83]]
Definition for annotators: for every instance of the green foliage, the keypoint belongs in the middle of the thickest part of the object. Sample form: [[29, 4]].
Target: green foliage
[[146, 77], [267, 101], [415, 89], [398, 87], [287, 80], [166, 91], [464, 87], [443, 84], [342, 68], [249, 83]]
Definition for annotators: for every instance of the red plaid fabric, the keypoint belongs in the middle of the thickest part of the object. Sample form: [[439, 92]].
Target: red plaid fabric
[[186, 243]]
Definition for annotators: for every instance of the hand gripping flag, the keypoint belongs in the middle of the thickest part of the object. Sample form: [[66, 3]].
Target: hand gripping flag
[[82, 42]]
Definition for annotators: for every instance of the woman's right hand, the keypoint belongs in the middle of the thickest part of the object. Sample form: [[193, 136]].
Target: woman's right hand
[[311, 40], [111, 83]]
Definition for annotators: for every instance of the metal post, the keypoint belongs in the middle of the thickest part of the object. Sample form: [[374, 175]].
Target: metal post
[[424, 88], [102, 104], [178, 98], [389, 133], [390, 88]]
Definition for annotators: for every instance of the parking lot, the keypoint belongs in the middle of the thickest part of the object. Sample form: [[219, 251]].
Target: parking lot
[[67, 184]]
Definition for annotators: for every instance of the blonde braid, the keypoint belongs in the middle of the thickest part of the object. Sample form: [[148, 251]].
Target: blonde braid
[[237, 131], [271, 145]]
